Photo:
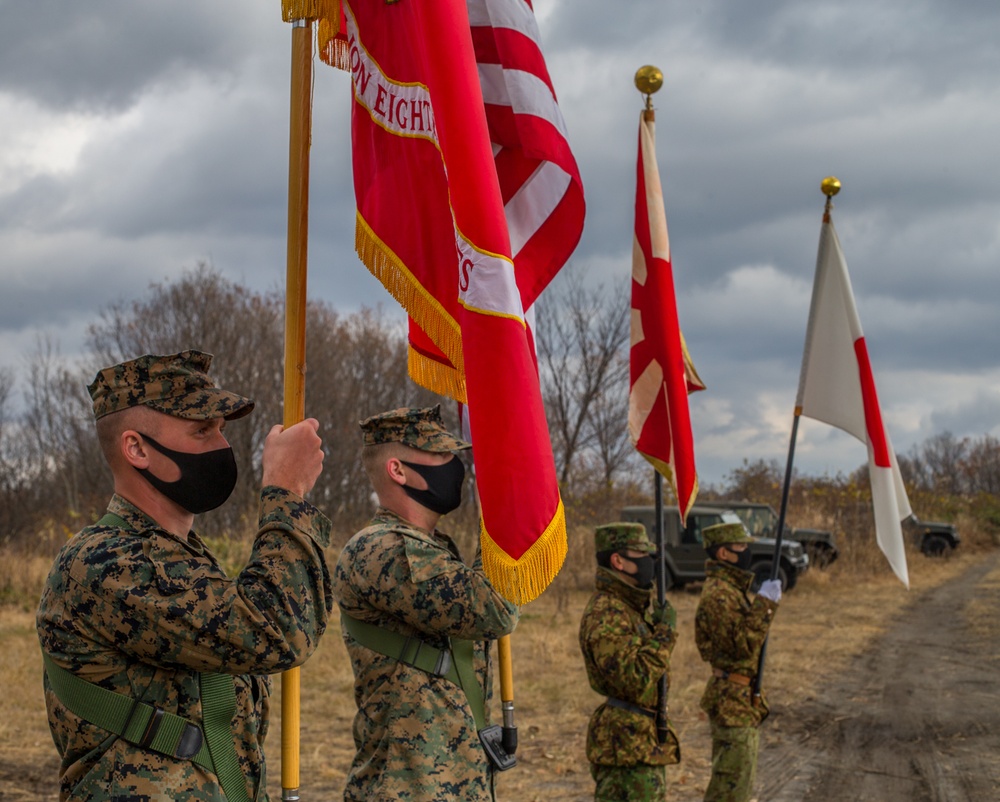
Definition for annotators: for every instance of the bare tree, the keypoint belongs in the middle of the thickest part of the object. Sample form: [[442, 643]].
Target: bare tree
[[244, 332], [59, 434], [357, 369], [760, 480], [16, 496], [937, 463], [612, 445], [580, 337], [981, 466]]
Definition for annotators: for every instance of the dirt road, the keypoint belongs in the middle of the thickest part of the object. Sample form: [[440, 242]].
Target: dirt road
[[916, 719]]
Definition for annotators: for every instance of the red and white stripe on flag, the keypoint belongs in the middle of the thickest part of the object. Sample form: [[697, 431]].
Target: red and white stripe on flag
[[661, 372], [837, 386], [432, 226], [538, 176]]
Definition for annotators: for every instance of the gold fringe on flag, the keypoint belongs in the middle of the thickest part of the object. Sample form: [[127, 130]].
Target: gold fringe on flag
[[309, 9], [524, 579], [432, 374], [419, 304], [333, 49]]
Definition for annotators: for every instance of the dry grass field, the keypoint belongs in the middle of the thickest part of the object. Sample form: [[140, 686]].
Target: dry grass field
[[831, 617]]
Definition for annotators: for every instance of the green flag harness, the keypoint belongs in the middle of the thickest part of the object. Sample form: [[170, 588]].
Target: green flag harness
[[210, 745]]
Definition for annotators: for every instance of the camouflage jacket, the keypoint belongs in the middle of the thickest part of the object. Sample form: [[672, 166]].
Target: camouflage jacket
[[142, 612], [730, 626], [414, 732], [625, 655]]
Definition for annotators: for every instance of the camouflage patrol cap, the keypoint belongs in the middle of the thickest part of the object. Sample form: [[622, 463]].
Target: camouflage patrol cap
[[622, 536], [420, 428], [177, 384], [721, 534]]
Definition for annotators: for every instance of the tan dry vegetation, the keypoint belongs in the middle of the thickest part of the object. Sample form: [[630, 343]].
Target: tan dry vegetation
[[829, 618]]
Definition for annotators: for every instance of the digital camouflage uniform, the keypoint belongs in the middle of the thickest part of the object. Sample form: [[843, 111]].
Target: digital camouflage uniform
[[625, 654], [414, 732], [141, 612], [731, 625]]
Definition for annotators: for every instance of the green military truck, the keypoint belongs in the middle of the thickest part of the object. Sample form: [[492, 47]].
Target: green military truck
[[934, 538], [685, 556], [762, 521]]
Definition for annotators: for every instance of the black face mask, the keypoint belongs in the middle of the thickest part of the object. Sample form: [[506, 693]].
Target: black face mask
[[743, 559], [645, 570], [444, 485], [207, 479]]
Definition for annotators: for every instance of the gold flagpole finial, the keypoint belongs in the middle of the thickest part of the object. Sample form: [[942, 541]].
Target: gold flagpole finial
[[648, 79], [830, 186]]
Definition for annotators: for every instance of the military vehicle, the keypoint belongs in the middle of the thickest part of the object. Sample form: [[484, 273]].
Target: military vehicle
[[762, 521], [934, 538], [685, 556]]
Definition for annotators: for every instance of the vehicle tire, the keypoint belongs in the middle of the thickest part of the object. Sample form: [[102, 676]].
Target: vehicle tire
[[936, 546], [791, 573], [821, 555], [762, 571]]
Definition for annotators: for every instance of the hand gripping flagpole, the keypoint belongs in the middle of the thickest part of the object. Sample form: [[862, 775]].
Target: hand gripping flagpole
[[648, 80], [830, 187], [301, 15]]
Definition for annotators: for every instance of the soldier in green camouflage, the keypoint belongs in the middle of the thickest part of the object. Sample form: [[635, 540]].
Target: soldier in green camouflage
[[626, 644], [409, 606], [731, 625], [138, 606]]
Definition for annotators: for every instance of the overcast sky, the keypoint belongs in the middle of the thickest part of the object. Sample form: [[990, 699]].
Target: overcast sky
[[137, 139]]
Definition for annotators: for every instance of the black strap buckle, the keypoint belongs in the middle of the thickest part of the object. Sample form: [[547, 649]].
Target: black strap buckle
[[190, 742], [152, 723], [442, 665], [152, 727]]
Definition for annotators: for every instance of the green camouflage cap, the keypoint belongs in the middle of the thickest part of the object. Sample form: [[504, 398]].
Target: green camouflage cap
[[177, 384], [721, 534], [623, 536], [417, 428]]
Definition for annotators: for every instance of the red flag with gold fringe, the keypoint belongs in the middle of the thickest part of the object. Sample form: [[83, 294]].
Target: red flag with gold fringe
[[431, 134]]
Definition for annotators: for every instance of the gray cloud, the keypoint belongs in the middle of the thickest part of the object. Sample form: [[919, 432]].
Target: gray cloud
[[101, 57], [139, 139]]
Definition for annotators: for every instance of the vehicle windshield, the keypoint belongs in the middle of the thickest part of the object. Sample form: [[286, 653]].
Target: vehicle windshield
[[698, 521], [759, 520]]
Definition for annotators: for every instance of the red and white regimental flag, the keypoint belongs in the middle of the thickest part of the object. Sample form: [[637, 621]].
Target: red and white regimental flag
[[661, 372], [837, 386], [468, 203]]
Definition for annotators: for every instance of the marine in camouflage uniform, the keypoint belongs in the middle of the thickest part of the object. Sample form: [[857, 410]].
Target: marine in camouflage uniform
[[140, 608], [626, 647], [731, 625], [414, 731]]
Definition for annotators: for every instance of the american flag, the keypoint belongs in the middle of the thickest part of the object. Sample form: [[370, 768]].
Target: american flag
[[539, 178], [538, 175]]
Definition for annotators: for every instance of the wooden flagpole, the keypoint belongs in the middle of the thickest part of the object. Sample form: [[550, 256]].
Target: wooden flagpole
[[509, 734], [300, 134]]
